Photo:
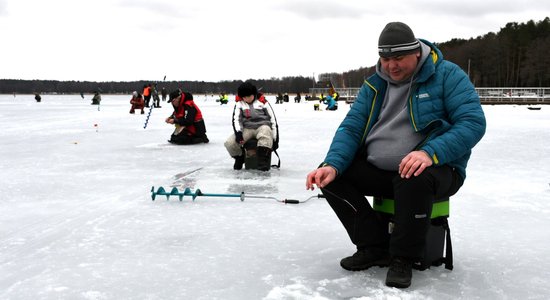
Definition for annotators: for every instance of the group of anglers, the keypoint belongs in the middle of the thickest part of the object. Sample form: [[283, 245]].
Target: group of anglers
[[142, 100], [253, 120]]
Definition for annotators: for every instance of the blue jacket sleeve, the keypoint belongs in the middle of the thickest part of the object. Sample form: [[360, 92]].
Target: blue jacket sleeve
[[466, 121], [349, 135]]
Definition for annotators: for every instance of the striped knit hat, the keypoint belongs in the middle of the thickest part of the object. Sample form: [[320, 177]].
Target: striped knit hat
[[397, 39]]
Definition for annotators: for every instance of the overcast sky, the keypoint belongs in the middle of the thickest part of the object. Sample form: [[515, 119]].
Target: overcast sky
[[213, 40]]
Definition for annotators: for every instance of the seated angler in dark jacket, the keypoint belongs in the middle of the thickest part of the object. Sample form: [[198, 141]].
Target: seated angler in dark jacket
[[187, 117]]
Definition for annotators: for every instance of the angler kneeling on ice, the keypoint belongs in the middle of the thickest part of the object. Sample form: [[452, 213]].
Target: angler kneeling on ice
[[137, 103], [253, 118], [331, 103], [97, 98], [187, 117]]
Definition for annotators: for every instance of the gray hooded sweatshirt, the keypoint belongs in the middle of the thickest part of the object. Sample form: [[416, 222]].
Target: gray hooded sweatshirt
[[392, 136]]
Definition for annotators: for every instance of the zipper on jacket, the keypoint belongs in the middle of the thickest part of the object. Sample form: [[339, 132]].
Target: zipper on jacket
[[411, 108], [371, 111]]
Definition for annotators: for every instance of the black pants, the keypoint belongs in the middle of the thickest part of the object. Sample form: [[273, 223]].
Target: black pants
[[184, 139], [413, 197]]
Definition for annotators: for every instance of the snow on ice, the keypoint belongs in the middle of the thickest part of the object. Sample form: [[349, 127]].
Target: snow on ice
[[77, 220]]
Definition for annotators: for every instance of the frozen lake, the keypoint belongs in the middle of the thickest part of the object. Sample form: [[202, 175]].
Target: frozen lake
[[77, 220]]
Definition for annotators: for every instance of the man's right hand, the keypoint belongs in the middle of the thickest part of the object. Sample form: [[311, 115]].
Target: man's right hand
[[320, 177], [239, 137]]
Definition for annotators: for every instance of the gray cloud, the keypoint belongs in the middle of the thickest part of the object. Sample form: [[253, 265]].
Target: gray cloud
[[164, 8], [323, 9], [476, 8]]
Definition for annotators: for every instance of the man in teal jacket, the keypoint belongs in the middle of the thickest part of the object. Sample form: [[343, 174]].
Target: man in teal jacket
[[408, 136]]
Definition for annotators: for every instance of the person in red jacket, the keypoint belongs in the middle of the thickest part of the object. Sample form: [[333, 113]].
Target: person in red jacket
[[147, 94], [187, 117], [137, 102]]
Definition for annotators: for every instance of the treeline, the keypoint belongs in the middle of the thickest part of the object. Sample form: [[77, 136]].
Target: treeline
[[273, 85], [516, 56]]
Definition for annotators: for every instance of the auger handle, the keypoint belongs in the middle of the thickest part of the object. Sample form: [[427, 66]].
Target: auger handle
[[291, 201]]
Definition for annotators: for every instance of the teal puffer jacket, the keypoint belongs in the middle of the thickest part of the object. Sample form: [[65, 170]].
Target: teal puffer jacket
[[443, 104]]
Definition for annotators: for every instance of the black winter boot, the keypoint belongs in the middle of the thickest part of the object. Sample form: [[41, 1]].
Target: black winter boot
[[399, 273], [364, 259], [264, 158], [239, 161]]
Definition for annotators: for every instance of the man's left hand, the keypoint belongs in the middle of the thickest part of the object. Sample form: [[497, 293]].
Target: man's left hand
[[414, 164]]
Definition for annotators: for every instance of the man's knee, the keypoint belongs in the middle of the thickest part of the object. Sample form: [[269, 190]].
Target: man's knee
[[232, 147], [333, 199], [421, 182], [335, 193], [438, 181], [264, 136], [264, 142]]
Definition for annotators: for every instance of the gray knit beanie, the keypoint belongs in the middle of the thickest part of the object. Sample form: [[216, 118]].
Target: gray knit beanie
[[397, 39]]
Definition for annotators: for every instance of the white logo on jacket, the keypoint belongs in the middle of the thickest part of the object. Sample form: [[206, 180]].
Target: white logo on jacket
[[424, 95]]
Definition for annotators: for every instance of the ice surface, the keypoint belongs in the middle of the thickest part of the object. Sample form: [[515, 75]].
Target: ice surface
[[77, 220]]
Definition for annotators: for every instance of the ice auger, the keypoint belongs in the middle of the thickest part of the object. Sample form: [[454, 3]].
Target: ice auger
[[188, 192]]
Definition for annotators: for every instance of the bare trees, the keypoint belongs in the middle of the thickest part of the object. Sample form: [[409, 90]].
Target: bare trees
[[516, 56]]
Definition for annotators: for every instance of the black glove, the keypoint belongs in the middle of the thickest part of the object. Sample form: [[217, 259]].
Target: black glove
[[275, 145], [239, 137]]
